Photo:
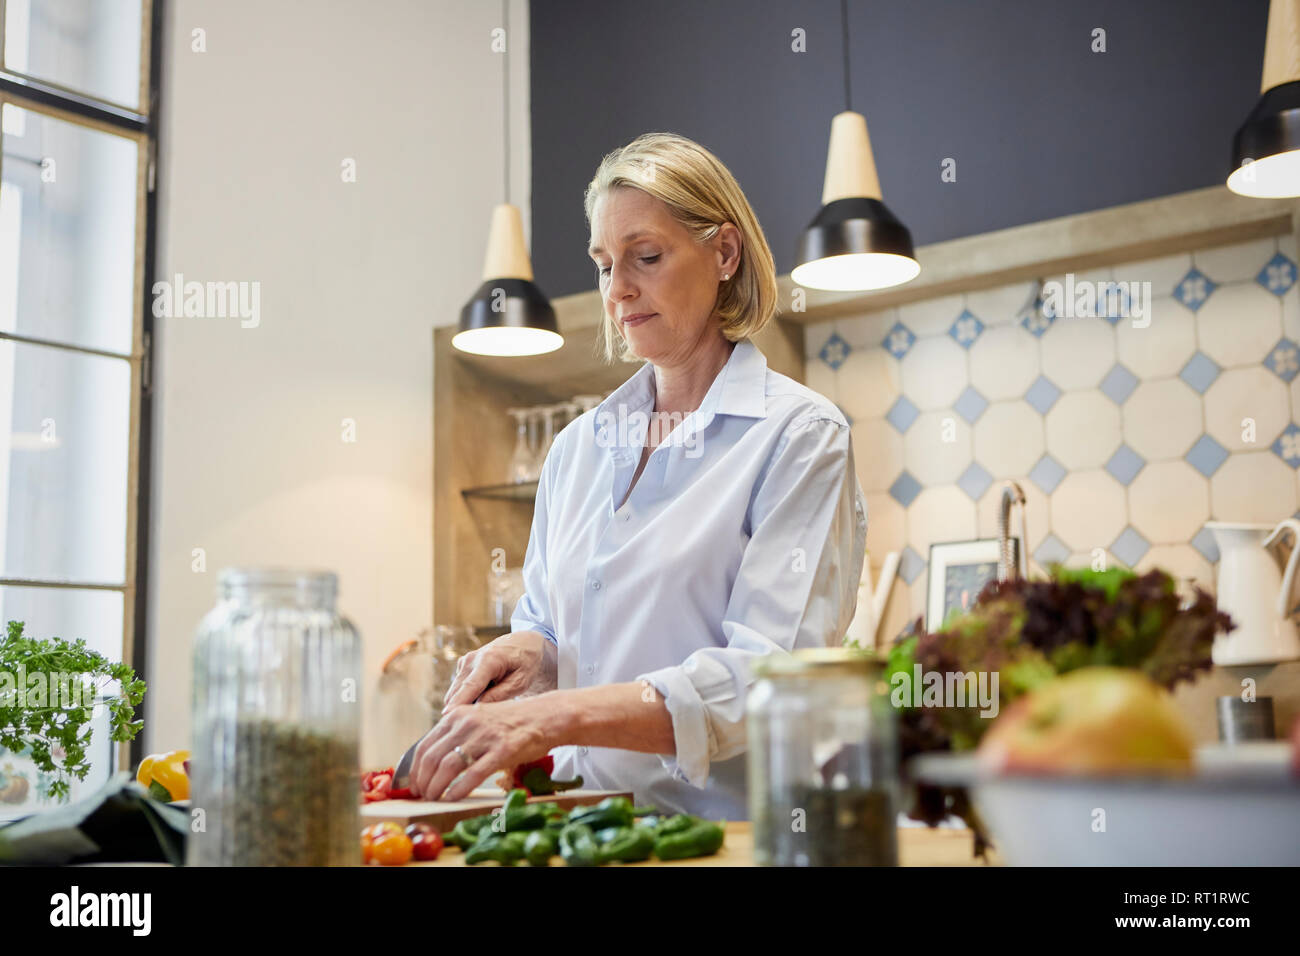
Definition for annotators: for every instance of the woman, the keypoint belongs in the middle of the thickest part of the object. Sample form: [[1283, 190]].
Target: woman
[[704, 515]]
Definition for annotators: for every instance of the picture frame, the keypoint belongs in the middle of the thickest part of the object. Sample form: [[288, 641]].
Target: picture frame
[[957, 572]]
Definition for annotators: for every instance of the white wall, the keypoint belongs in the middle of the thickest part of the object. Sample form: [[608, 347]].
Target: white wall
[[249, 461]]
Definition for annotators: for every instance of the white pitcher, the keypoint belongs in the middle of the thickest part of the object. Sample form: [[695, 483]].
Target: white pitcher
[[1256, 593]]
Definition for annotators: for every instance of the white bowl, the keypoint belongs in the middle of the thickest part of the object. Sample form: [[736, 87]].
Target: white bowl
[[1241, 807]]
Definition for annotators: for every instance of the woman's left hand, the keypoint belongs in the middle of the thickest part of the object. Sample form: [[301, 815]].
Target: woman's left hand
[[494, 736]]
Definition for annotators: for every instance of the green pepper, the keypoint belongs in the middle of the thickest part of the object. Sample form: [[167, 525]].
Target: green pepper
[[578, 845], [702, 839], [466, 832], [610, 812], [608, 833], [644, 811], [629, 845], [504, 848], [677, 823], [540, 846]]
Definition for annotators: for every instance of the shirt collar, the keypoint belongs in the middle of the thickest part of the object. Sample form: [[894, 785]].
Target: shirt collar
[[739, 389]]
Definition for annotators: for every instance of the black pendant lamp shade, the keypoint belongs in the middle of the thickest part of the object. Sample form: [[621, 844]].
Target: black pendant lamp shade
[[508, 317], [1266, 149], [855, 240]]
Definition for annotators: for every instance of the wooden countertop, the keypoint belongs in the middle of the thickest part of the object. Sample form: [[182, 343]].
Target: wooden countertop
[[917, 846]]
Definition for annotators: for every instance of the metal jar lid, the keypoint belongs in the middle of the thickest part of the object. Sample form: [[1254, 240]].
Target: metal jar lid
[[820, 662]]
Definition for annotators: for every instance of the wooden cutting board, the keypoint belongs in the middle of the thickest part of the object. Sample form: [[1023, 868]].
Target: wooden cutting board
[[443, 815]]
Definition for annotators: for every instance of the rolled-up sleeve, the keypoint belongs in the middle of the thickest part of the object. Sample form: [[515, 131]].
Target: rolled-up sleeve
[[533, 612], [796, 587]]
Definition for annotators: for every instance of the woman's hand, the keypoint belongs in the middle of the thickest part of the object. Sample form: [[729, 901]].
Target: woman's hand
[[517, 664], [492, 737]]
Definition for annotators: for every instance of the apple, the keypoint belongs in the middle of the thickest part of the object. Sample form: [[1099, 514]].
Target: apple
[[1091, 720]]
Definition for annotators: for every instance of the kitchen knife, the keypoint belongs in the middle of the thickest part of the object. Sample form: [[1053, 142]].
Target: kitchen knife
[[402, 774]]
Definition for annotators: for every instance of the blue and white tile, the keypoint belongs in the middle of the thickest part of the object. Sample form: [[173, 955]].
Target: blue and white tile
[[902, 414], [1255, 486], [1008, 438], [1083, 430], [937, 448], [975, 481], [821, 378], [1162, 419], [1052, 550], [1200, 371], [1047, 474], [934, 372], [1239, 325], [1118, 384], [1164, 273], [1130, 546], [1206, 546], [1161, 347], [966, 328], [911, 565], [1206, 455], [1239, 262], [1169, 502], [834, 351], [869, 383], [899, 340], [1291, 313], [970, 405], [931, 316], [1278, 275], [1242, 394], [1287, 446], [904, 489], [1078, 352], [815, 335], [1004, 362], [1194, 289], [1042, 394], [1125, 465], [940, 514], [1088, 510], [1283, 359], [877, 454]]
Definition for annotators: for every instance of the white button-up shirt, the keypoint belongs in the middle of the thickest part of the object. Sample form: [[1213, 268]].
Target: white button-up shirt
[[744, 536]]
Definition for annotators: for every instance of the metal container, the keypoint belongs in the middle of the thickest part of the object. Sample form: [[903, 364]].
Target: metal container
[[822, 763], [274, 766]]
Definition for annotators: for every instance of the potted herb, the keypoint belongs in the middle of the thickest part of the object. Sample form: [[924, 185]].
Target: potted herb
[[49, 690], [1029, 631]]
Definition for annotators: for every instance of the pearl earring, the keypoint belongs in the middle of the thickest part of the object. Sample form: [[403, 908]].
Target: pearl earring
[[726, 277]]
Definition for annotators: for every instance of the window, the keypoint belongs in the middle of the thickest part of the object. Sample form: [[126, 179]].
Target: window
[[78, 87]]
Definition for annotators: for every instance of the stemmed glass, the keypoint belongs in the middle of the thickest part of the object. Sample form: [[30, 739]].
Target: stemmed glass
[[521, 461]]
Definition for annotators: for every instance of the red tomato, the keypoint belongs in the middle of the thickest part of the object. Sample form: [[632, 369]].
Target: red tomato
[[426, 842]]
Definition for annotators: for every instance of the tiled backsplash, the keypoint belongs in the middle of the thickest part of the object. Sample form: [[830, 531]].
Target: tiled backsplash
[[1124, 438]]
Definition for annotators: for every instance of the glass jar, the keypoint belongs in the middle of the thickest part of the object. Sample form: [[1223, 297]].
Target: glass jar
[[275, 766], [822, 760]]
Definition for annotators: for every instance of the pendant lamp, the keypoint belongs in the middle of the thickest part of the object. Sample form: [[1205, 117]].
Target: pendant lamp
[[508, 314], [854, 243], [1266, 149]]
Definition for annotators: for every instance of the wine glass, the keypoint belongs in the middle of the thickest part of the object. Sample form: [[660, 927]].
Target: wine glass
[[521, 461]]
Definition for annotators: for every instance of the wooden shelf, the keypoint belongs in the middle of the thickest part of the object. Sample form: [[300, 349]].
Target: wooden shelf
[[518, 491]]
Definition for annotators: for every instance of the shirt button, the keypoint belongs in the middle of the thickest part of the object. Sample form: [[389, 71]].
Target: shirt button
[[591, 668], [595, 585], [583, 751]]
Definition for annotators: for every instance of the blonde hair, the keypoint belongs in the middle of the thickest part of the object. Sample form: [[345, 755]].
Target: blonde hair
[[701, 194]]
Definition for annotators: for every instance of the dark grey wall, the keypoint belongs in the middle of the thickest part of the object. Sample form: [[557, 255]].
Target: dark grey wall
[[1039, 125]]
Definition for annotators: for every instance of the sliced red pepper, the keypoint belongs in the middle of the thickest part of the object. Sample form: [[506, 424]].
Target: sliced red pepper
[[375, 785]]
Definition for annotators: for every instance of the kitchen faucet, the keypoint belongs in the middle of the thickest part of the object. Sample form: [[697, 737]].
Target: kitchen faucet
[[1012, 562]]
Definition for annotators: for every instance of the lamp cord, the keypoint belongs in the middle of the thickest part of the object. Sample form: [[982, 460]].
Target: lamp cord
[[505, 99], [844, 33]]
